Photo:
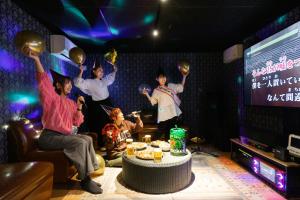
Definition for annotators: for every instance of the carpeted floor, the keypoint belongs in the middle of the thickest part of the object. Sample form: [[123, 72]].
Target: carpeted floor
[[214, 178]]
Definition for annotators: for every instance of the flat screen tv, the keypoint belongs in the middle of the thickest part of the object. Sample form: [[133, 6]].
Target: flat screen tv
[[272, 70]]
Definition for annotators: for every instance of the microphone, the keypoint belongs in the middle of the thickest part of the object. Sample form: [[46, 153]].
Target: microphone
[[133, 113], [82, 102]]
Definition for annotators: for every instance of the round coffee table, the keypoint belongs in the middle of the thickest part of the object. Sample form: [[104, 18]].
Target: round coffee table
[[172, 174]]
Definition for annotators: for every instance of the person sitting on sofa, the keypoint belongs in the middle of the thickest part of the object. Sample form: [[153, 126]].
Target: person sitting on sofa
[[60, 115], [116, 134]]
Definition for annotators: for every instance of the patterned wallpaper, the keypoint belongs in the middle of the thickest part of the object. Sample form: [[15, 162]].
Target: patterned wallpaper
[[140, 68], [18, 90], [19, 94]]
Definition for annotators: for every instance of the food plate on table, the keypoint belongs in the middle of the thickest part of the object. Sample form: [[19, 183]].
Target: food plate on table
[[165, 146], [145, 155], [139, 145], [156, 143]]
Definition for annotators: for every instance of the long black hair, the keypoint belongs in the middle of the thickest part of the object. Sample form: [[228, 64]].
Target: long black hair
[[62, 81], [59, 78], [160, 72], [95, 67]]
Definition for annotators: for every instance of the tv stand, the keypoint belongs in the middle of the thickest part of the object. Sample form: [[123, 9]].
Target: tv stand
[[281, 176]]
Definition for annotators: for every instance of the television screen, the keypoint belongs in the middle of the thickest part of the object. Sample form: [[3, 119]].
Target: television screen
[[272, 70]]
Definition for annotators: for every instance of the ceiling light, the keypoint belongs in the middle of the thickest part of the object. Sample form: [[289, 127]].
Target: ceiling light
[[163, 1], [155, 33]]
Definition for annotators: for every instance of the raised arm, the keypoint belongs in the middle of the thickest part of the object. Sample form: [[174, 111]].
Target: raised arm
[[46, 89], [138, 124], [80, 71], [183, 80], [82, 84], [115, 68], [38, 65], [154, 98], [110, 78]]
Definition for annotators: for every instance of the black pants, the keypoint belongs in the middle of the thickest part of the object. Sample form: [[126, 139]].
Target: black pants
[[164, 127], [98, 118]]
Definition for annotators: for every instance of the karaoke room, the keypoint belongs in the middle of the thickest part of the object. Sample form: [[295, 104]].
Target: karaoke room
[[149, 99]]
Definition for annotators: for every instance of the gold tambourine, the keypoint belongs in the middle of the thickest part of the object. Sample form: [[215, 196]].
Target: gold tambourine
[[25, 40], [111, 56], [184, 67], [101, 164], [77, 55]]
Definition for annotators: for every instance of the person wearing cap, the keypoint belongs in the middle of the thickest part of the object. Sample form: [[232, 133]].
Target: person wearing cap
[[168, 103], [97, 88], [116, 133], [60, 114]]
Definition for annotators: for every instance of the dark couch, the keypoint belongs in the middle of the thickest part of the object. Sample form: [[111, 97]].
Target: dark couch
[[26, 180], [23, 146]]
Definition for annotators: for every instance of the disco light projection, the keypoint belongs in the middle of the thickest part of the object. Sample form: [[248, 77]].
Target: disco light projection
[[22, 98], [77, 26], [119, 3], [239, 80], [105, 21], [281, 19], [83, 36], [19, 101], [37, 113], [8, 62], [83, 30], [114, 31], [74, 12], [148, 19]]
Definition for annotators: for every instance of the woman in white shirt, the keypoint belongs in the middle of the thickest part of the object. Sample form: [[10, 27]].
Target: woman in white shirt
[[168, 103], [97, 88]]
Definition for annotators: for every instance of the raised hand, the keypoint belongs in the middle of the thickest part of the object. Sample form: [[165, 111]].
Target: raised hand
[[81, 68], [135, 114], [145, 91], [80, 102], [30, 54], [186, 74], [115, 68]]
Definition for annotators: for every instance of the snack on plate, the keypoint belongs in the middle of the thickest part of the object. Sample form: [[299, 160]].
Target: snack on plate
[[139, 145], [165, 146], [145, 155], [156, 143]]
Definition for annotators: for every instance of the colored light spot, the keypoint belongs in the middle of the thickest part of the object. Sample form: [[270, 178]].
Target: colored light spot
[[149, 18], [114, 31], [23, 98], [69, 8], [239, 80], [281, 19], [119, 3], [8, 62]]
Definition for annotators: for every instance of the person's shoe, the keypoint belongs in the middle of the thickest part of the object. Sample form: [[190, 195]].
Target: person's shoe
[[98, 184], [90, 186]]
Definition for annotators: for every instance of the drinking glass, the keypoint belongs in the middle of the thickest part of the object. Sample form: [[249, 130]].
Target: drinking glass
[[157, 154]]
